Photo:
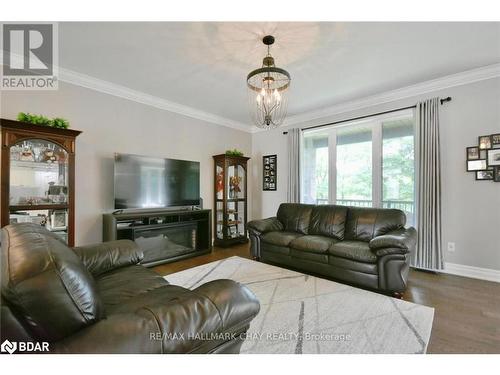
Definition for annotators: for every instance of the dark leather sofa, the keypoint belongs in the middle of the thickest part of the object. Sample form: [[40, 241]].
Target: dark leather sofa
[[369, 247], [98, 299]]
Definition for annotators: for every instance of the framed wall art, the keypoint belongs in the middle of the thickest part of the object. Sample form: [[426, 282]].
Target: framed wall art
[[484, 142], [270, 172], [484, 175], [484, 159], [493, 157], [496, 174], [472, 153], [495, 140], [476, 165]]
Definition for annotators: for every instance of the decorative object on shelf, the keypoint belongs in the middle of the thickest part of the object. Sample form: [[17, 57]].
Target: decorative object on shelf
[[26, 154], [49, 156], [219, 184], [230, 201], [56, 122], [267, 91], [484, 159], [234, 152], [57, 193], [58, 220], [38, 176], [234, 186], [270, 172]]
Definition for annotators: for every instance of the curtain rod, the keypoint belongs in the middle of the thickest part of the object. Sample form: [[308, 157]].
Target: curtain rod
[[444, 100]]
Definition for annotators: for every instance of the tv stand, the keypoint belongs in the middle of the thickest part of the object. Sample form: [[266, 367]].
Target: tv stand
[[163, 235]]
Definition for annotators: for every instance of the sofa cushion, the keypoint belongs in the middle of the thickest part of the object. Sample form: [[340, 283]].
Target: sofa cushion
[[353, 265], [280, 238], [328, 220], [309, 256], [356, 250], [270, 248], [313, 244], [46, 283], [363, 224], [295, 217]]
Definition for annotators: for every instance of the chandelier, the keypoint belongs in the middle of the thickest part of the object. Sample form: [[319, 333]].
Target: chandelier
[[267, 91]]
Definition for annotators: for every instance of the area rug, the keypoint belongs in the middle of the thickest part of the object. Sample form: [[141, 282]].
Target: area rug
[[305, 314]]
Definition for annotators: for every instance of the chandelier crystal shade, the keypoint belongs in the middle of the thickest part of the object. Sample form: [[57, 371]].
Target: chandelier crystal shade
[[267, 91]]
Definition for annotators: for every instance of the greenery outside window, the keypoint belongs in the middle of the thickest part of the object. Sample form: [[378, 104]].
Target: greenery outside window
[[368, 163]]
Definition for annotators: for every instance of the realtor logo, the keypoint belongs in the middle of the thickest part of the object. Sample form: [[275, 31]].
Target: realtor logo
[[8, 346], [29, 56]]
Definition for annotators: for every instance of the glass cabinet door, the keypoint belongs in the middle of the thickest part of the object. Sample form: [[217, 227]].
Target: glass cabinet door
[[235, 187], [39, 188], [219, 196]]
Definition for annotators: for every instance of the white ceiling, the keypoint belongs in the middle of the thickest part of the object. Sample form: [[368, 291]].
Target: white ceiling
[[204, 64]]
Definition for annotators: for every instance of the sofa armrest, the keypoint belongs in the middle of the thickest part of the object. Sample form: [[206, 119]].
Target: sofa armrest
[[236, 304], [195, 321], [106, 256], [401, 241], [270, 224]]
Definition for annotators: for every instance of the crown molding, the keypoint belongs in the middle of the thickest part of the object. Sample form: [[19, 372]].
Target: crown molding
[[458, 79], [123, 92], [106, 87]]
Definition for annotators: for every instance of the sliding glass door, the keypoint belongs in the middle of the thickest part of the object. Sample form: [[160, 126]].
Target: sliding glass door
[[354, 166], [398, 166], [367, 163]]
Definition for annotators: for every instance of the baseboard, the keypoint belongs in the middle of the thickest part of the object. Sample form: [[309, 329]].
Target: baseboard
[[473, 272]]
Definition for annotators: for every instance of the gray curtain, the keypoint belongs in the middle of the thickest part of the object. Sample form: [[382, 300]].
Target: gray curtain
[[293, 192], [429, 254]]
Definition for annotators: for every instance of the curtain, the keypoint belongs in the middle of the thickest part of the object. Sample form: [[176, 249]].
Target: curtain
[[429, 253], [293, 192]]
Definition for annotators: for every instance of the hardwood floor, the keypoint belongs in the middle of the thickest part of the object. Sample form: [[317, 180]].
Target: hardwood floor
[[467, 311]]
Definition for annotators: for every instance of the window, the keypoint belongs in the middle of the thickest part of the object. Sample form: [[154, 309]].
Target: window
[[398, 166], [368, 163], [354, 166]]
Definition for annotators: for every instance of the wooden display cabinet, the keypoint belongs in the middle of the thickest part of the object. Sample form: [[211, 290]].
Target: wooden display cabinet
[[230, 200], [38, 177]]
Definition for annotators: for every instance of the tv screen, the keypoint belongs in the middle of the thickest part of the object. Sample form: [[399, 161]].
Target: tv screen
[[144, 182]]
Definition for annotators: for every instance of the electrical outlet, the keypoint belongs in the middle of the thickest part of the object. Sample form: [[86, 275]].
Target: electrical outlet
[[451, 247]]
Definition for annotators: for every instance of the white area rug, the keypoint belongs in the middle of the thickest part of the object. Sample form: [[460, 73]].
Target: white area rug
[[305, 314]]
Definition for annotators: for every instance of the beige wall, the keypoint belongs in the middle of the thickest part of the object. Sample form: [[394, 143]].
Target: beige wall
[[111, 124], [471, 214], [471, 209]]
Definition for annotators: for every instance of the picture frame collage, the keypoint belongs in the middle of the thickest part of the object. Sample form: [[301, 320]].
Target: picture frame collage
[[270, 172], [484, 159]]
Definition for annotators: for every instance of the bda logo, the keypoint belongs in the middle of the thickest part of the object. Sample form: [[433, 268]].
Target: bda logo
[[8, 346]]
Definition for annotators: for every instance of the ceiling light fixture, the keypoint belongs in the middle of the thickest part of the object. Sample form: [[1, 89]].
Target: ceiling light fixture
[[267, 91]]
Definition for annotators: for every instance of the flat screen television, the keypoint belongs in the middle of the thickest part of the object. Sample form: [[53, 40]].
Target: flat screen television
[[145, 182]]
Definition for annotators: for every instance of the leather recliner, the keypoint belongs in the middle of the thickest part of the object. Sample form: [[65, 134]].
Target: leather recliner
[[369, 247], [98, 299]]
